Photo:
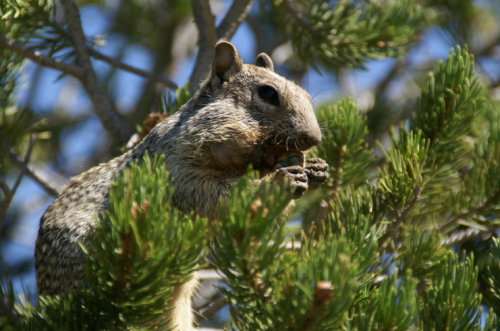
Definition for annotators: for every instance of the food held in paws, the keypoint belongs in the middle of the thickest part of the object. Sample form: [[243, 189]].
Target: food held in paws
[[289, 159]]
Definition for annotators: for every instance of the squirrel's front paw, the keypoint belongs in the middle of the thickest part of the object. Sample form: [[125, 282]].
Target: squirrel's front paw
[[297, 178], [317, 172]]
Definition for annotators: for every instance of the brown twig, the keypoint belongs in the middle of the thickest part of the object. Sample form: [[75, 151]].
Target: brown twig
[[37, 57], [211, 308], [205, 21], [52, 187], [233, 19], [486, 50], [400, 216], [120, 65], [8, 197], [102, 107], [396, 69], [298, 16]]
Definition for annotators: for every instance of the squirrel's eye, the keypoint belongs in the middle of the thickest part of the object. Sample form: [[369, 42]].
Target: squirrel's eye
[[269, 95]]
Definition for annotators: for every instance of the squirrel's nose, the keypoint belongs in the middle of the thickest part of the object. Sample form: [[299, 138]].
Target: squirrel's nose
[[309, 139]]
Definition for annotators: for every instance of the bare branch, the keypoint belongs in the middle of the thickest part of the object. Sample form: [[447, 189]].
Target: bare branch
[[11, 192], [5, 189], [205, 21], [211, 308], [25, 164], [102, 107], [37, 57], [46, 181], [233, 19], [298, 16], [488, 48], [396, 69], [146, 74]]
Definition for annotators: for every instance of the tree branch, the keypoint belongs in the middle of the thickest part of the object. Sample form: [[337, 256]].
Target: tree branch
[[211, 308], [233, 19], [298, 16], [52, 187], [477, 210], [396, 69], [467, 235], [486, 50], [8, 197], [399, 218], [37, 57], [146, 74], [205, 21], [102, 107]]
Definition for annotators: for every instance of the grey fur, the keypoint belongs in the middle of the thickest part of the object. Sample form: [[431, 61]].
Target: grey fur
[[208, 144]]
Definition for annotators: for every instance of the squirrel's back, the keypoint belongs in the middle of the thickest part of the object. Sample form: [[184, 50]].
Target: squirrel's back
[[241, 115]]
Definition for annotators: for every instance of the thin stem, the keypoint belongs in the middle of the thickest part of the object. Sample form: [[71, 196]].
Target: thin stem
[[211, 308], [102, 107], [37, 57], [146, 74], [298, 16], [8, 197], [233, 19], [52, 187]]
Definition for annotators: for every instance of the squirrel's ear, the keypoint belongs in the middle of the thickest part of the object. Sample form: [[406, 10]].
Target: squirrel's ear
[[264, 61], [227, 62]]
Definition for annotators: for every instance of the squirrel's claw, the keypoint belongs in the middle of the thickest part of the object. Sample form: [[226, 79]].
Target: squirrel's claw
[[297, 178], [317, 172]]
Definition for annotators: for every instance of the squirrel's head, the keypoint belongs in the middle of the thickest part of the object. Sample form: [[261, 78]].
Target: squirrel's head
[[260, 114]]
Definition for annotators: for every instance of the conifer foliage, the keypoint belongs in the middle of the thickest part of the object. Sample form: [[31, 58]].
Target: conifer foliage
[[380, 246]]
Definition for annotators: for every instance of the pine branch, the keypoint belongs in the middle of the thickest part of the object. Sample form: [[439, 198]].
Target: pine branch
[[37, 57], [211, 308], [396, 69], [234, 17], [52, 187], [400, 216], [478, 210], [11, 314], [8, 196], [467, 235], [102, 107], [205, 21], [298, 16], [146, 74]]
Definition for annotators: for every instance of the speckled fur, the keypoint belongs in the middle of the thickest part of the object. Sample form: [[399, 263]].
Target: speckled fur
[[208, 144]]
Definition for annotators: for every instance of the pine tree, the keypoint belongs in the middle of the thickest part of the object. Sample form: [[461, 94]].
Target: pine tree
[[400, 238]]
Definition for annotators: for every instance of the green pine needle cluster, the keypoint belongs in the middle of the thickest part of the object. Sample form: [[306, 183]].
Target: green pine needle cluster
[[347, 34], [142, 248]]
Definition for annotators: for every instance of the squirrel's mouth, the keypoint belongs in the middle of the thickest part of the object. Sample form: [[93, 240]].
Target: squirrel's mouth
[[274, 157]]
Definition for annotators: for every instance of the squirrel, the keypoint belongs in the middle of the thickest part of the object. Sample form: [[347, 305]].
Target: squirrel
[[241, 115]]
